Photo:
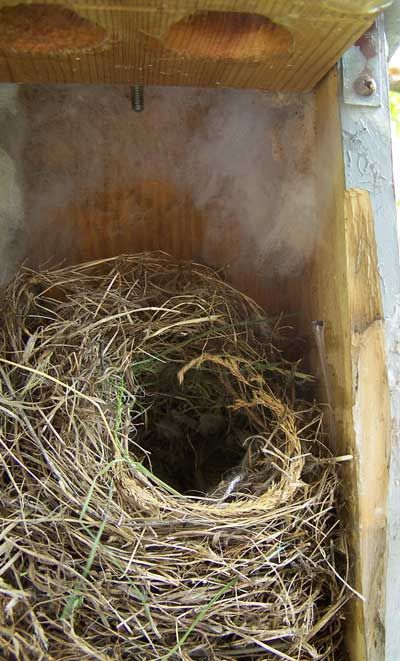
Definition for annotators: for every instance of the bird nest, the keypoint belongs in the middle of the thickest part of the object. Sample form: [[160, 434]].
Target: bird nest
[[166, 492]]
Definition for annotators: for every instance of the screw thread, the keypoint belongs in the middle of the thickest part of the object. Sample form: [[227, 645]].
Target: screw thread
[[137, 98]]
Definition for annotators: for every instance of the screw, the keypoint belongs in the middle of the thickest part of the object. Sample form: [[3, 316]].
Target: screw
[[365, 85], [137, 98]]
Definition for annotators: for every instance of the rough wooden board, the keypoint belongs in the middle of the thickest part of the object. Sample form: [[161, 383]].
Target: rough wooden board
[[135, 51], [220, 175], [371, 411], [344, 291], [328, 300]]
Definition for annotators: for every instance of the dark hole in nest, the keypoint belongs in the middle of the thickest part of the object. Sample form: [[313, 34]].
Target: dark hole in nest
[[193, 440]]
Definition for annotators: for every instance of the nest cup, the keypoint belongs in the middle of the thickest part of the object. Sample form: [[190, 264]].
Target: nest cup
[[166, 490]]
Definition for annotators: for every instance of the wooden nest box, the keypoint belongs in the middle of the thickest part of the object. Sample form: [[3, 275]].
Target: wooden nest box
[[254, 153]]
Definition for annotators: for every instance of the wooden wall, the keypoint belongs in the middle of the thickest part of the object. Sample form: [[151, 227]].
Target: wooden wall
[[224, 176], [346, 295]]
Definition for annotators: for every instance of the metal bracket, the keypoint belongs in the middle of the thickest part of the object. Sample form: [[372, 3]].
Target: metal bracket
[[362, 67]]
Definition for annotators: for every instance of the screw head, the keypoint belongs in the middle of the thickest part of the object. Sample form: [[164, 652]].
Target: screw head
[[365, 85]]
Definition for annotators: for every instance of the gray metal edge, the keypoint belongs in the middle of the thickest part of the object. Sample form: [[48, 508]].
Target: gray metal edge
[[392, 27], [368, 165]]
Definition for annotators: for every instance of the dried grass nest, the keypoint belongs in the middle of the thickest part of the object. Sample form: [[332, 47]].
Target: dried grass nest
[[165, 491]]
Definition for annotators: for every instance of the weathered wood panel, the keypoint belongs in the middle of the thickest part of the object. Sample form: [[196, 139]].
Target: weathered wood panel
[[371, 411], [224, 176], [282, 45], [345, 293]]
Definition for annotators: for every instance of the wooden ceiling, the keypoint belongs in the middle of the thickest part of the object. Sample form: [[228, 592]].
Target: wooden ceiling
[[279, 45]]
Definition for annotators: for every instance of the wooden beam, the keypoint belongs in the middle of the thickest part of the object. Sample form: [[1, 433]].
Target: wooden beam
[[371, 429]]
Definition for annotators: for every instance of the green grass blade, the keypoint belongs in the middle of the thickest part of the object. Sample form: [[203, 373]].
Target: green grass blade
[[198, 619], [92, 486], [75, 598]]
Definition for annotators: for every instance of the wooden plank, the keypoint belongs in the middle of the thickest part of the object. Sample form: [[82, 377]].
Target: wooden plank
[[210, 174], [371, 411], [282, 45], [342, 287]]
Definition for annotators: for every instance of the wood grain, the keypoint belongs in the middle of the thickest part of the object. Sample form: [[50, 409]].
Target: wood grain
[[341, 286], [371, 410], [200, 174], [282, 45], [345, 293]]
